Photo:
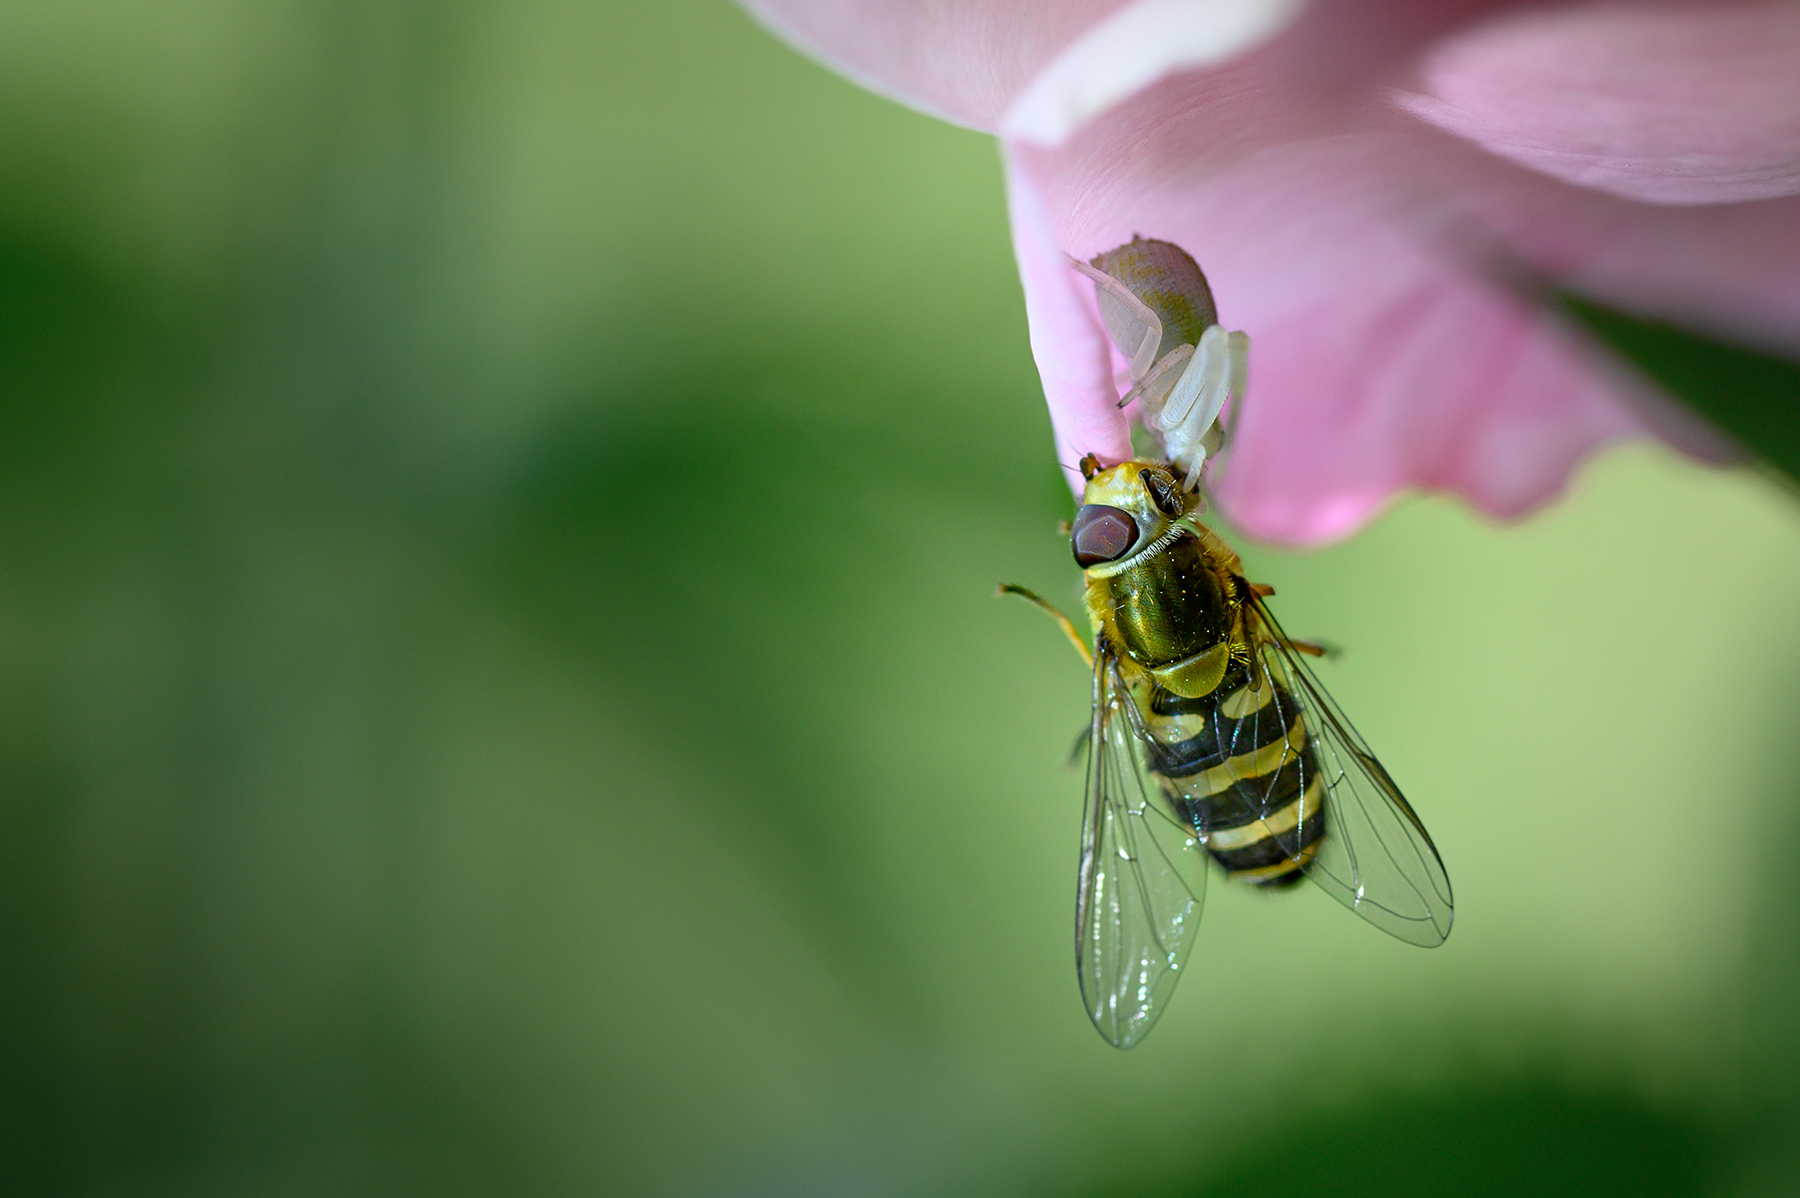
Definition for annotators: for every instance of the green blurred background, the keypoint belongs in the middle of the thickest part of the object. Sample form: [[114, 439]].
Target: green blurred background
[[500, 690]]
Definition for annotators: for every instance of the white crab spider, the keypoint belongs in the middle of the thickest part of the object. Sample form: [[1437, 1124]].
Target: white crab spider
[[1183, 369]]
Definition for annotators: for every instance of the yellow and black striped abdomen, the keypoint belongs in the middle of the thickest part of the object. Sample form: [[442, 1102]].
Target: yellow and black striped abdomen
[[1237, 763]]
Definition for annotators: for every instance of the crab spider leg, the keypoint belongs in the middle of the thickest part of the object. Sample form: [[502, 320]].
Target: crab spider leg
[[1154, 387], [1133, 310], [1224, 427], [1200, 384], [1238, 354]]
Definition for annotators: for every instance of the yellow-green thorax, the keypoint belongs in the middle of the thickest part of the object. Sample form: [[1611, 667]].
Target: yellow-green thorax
[[1161, 589]]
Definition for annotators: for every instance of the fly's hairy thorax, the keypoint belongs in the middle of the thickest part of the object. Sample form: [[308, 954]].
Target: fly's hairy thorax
[[1174, 614]]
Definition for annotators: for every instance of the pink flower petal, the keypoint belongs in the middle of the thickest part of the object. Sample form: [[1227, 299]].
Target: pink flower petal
[[1447, 385], [1138, 45], [1695, 105], [961, 60], [1383, 268], [1732, 270], [1378, 361], [1074, 357], [1062, 62]]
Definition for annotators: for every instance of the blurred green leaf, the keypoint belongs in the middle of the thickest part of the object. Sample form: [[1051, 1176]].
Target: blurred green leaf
[[1529, 1136], [1750, 395]]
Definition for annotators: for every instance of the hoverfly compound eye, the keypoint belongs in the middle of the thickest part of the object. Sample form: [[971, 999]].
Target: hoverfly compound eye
[[1101, 534], [1163, 493]]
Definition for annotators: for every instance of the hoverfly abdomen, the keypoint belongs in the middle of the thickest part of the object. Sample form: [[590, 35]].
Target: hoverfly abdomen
[[1238, 764]]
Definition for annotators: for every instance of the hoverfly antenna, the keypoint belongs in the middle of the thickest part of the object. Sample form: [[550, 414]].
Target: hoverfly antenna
[[1089, 466]]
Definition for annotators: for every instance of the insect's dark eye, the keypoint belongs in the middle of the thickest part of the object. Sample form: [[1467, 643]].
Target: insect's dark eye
[[1162, 492], [1101, 534]]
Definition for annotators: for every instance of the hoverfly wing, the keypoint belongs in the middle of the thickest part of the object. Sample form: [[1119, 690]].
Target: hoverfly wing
[[1375, 856], [1142, 875]]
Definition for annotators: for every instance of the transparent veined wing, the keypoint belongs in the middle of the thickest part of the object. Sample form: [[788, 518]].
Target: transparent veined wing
[[1142, 875], [1375, 856]]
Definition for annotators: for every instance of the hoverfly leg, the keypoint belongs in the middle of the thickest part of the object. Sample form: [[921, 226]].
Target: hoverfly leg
[[1078, 750], [1049, 609], [1274, 636], [1242, 654]]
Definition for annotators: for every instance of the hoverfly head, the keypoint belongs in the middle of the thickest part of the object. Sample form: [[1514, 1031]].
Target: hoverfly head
[[1124, 509]]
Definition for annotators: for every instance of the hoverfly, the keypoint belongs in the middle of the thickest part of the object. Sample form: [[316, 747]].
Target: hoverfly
[[1211, 738]]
